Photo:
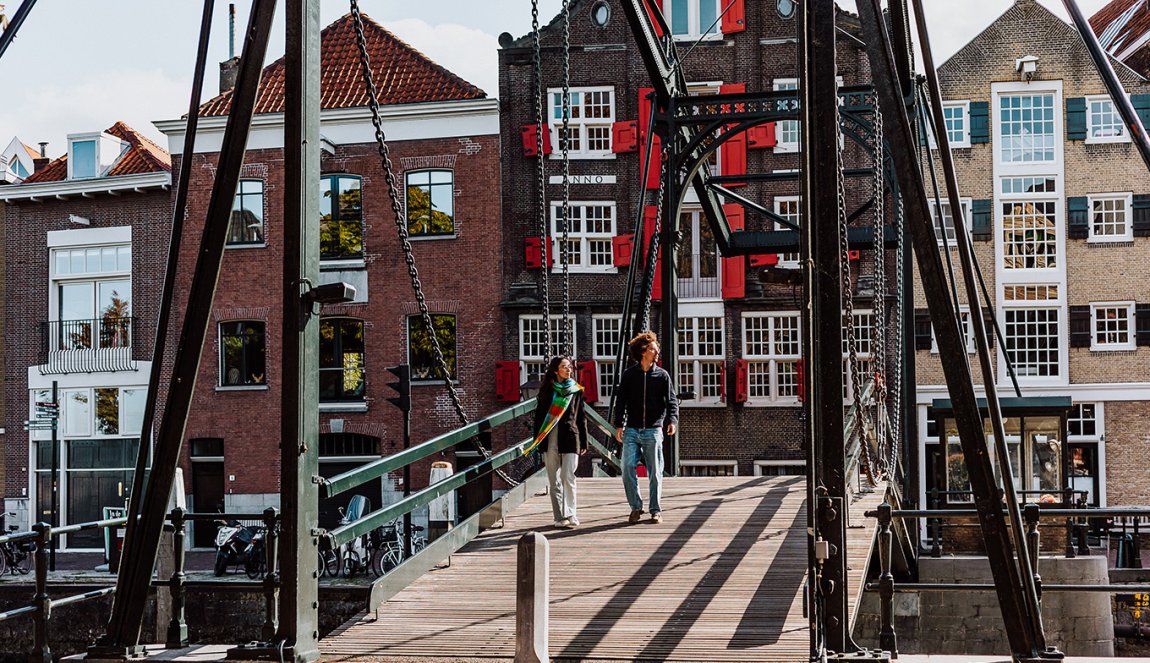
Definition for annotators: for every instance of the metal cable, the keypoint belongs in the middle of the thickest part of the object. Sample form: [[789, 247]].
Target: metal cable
[[879, 307], [541, 181], [564, 248]]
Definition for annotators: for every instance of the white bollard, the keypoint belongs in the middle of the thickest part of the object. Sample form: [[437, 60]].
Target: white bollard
[[533, 577]]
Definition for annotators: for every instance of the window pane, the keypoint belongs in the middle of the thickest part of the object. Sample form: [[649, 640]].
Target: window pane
[[247, 220], [77, 413], [108, 411], [84, 158], [341, 359], [430, 203], [341, 219], [132, 409], [421, 353], [242, 354]]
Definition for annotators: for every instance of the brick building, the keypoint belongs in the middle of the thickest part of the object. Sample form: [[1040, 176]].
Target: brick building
[[1059, 204], [443, 137], [86, 236], [739, 339]]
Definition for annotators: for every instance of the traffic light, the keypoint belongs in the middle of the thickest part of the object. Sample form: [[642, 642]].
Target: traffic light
[[402, 386]]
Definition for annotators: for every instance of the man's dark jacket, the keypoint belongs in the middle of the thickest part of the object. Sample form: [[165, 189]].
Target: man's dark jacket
[[646, 397]]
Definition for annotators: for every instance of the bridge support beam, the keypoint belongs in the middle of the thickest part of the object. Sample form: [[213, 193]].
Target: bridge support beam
[[532, 591]]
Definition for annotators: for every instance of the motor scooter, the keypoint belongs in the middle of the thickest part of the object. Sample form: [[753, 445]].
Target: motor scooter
[[356, 555], [239, 544]]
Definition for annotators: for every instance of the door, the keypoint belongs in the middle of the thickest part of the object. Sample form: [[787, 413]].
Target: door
[[208, 493]]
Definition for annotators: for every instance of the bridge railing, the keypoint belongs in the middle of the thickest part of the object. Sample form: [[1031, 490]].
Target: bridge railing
[[478, 432], [37, 542]]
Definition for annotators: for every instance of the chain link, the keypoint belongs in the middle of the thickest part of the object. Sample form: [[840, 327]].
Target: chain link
[[899, 338], [541, 181], [564, 249], [649, 275], [401, 228], [848, 308], [879, 308]]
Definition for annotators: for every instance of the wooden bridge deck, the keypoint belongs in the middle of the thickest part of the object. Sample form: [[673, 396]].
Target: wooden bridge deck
[[721, 579]]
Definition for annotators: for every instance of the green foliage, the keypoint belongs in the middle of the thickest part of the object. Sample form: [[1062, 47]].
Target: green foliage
[[421, 353], [423, 218]]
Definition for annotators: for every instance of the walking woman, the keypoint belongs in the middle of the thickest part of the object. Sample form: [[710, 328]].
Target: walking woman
[[561, 435]]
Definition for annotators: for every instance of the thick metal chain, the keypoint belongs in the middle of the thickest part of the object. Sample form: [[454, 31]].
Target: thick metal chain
[[649, 274], [899, 338], [541, 180], [564, 248], [848, 313], [401, 228], [879, 309]]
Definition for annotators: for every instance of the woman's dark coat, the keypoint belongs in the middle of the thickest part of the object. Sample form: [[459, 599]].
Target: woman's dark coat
[[572, 426]]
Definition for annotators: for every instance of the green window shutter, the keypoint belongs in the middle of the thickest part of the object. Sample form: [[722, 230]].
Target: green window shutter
[[1142, 324], [1076, 118], [1078, 217], [921, 329], [1079, 326], [979, 122], [982, 220], [1141, 103], [1141, 215]]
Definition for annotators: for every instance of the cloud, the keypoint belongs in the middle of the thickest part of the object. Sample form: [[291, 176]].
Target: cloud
[[94, 103], [467, 52]]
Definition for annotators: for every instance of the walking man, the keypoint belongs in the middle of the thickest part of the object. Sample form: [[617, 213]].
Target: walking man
[[647, 399]]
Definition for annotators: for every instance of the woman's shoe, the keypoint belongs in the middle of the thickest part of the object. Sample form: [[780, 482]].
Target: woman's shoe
[[572, 522], [561, 523]]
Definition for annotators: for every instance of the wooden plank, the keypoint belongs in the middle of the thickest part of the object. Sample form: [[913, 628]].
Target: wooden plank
[[719, 580]]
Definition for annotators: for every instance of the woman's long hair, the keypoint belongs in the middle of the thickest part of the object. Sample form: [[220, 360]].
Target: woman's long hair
[[552, 374]]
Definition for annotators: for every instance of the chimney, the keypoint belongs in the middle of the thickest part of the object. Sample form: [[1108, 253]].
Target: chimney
[[229, 69], [41, 161]]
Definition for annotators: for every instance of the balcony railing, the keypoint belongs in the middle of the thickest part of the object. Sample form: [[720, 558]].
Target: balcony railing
[[101, 345]]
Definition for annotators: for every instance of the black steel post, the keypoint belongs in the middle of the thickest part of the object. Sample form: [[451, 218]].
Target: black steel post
[[823, 331], [122, 638], [1025, 639], [886, 636], [54, 516], [299, 432], [271, 573], [669, 247], [407, 483], [41, 652], [178, 626], [8, 34]]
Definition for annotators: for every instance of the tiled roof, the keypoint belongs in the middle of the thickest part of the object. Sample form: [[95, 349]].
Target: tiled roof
[[1121, 23], [402, 74], [142, 156]]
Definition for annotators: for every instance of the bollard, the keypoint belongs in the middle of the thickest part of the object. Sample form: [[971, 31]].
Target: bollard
[[41, 652], [886, 637], [1030, 514], [533, 576], [271, 573], [178, 626]]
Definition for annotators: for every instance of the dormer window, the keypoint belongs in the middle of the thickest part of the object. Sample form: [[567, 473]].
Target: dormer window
[[93, 154]]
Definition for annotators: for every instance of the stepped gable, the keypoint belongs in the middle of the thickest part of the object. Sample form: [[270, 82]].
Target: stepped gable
[[401, 73]]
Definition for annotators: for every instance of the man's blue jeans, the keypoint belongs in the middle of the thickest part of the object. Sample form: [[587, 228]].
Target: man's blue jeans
[[649, 442]]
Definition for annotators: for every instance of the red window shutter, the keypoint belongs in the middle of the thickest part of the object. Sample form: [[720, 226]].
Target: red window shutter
[[646, 98], [507, 381], [621, 248], [801, 377], [723, 382], [649, 218], [656, 163], [762, 136], [655, 167], [735, 18], [733, 153], [625, 136], [764, 260], [590, 381], [741, 381], [653, 6], [530, 134], [534, 259], [734, 271]]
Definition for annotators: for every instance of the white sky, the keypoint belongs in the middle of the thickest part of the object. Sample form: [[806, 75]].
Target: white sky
[[81, 65]]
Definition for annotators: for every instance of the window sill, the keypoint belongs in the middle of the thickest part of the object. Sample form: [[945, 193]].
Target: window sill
[[557, 155], [1108, 242], [336, 265], [786, 148], [703, 404], [769, 404], [1107, 140], [427, 238], [572, 269], [709, 37], [343, 407], [247, 245], [1115, 349], [242, 387], [432, 383]]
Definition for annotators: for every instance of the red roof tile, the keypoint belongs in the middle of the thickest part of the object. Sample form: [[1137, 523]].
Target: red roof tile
[[402, 74], [142, 156], [1121, 23]]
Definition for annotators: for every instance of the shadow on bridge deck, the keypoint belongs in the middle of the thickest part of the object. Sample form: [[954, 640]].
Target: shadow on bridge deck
[[720, 579]]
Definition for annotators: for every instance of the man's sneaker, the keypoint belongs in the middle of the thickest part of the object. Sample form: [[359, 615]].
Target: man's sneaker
[[562, 522], [656, 518], [636, 514], [572, 523]]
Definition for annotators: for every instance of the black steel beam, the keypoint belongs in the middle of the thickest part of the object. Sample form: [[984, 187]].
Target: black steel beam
[[122, 638], [952, 346], [9, 33]]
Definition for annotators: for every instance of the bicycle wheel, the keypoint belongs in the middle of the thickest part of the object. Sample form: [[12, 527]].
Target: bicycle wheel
[[418, 544], [391, 559], [25, 555], [351, 563], [329, 563], [254, 568], [5, 551]]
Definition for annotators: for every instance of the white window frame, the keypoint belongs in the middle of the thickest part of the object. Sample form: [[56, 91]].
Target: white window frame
[[967, 329], [556, 336], [770, 358], [865, 358], [696, 287], [1099, 439], [604, 354], [1127, 200], [758, 466], [583, 238], [1123, 135], [1055, 273], [951, 234], [555, 122], [694, 22], [964, 140], [697, 360], [1001, 90], [788, 260], [785, 126], [1059, 336], [733, 464], [1129, 344]]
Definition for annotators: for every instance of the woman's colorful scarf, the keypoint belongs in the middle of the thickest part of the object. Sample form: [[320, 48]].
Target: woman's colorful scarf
[[560, 399]]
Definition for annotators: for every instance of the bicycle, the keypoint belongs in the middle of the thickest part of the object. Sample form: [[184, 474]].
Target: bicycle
[[16, 556], [388, 546]]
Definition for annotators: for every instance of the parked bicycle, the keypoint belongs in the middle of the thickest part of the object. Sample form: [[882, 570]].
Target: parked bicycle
[[389, 546], [16, 556]]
